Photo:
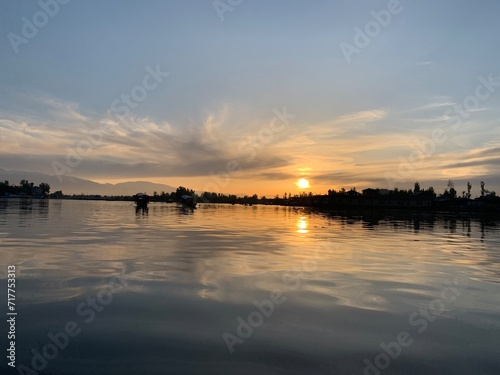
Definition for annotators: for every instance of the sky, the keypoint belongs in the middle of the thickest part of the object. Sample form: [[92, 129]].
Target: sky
[[241, 96]]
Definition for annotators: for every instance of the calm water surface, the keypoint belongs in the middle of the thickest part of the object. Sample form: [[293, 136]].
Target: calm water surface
[[250, 290]]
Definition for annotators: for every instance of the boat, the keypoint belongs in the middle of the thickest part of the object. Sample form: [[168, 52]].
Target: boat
[[141, 201], [188, 201]]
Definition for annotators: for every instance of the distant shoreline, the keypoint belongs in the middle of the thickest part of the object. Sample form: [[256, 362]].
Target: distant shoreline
[[324, 207]]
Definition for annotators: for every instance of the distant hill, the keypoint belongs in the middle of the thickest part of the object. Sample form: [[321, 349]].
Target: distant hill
[[75, 185]]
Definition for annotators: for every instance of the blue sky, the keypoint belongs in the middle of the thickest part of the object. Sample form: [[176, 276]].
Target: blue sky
[[355, 123]]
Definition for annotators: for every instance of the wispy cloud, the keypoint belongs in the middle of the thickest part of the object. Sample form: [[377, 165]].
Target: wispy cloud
[[130, 146], [423, 63], [436, 103], [352, 149]]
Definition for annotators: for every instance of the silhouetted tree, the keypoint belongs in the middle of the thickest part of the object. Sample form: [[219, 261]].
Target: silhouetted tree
[[4, 188], [452, 191], [45, 188], [25, 187], [57, 194], [417, 187]]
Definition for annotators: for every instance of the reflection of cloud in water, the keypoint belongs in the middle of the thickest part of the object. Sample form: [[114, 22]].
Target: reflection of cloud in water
[[220, 247], [189, 277]]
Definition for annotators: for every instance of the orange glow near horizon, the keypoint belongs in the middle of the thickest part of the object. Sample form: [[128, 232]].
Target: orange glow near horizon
[[240, 186], [236, 186]]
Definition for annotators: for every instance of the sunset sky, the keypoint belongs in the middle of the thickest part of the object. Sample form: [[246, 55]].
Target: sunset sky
[[251, 97]]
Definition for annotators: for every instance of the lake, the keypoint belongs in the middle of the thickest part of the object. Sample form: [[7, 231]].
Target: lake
[[101, 289]]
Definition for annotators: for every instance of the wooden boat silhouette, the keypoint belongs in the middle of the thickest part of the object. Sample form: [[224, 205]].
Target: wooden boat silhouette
[[141, 201]]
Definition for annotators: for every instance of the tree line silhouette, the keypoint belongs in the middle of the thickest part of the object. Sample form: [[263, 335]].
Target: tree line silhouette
[[25, 188], [417, 196]]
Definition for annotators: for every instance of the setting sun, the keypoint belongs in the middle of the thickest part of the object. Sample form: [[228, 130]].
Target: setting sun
[[303, 183]]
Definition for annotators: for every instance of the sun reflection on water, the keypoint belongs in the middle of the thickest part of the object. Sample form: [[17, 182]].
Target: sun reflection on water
[[302, 225]]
